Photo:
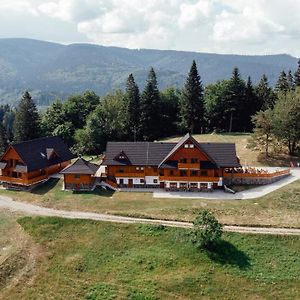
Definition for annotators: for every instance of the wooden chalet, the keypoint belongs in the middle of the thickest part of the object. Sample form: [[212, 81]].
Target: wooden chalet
[[28, 163], [80, 176], [186, 165]]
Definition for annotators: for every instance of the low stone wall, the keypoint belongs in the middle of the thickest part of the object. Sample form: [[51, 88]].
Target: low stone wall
[[253, 180]]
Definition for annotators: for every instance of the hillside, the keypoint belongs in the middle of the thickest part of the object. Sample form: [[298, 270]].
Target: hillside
[[50, 69]]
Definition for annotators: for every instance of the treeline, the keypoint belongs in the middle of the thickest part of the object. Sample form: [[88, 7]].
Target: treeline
[[86, 122]]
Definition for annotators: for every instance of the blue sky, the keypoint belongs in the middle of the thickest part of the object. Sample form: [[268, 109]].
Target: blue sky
[[221, 26]]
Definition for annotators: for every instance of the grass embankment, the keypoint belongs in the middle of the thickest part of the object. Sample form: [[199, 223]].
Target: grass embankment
[[279, 209], [96, 260]]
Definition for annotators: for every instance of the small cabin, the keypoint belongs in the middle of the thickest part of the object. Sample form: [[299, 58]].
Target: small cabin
[[80, 176], [25, 164]]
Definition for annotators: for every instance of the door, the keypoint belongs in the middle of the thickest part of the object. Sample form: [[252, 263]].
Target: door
[[130, 183]]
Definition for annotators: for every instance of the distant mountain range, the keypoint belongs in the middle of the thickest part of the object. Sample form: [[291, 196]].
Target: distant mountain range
[[49, 69]]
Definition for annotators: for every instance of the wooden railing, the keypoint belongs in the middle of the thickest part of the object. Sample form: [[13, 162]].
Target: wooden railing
[[257, 175], [14, 180], [195, 166], [130, 174], [189, 179]]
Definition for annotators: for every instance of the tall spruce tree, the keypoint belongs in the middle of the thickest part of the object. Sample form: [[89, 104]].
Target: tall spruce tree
[[282, 84], [3, 139], [192, 103], [290, 80], [265, 94], [150, 109], [297, 75], [26, 123], [235, 107], [252, 106], [133, 108]]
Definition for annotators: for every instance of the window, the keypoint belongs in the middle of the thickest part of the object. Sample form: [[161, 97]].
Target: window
[[161, 172], [137, 168], [142, 168], [186, 145], [183, 160], [154, 180], [121, 181], [11, 162], [142, 180], [77, 176], [194, 173], [204, 173], [121, 171], [193, 185], [194, 160], [121, 157], [183, 173], [192, 145]]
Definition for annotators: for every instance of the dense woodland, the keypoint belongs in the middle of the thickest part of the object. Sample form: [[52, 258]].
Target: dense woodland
[[86, 121]]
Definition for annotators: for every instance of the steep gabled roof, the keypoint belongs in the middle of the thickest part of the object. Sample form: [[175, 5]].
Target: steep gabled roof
[[34, 152], [157, 154], [181, 142], [138, 153], [81, 166]]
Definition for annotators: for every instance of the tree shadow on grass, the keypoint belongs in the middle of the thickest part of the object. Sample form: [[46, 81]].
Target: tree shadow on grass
[[45, 187], [97, 192], [226, 253]]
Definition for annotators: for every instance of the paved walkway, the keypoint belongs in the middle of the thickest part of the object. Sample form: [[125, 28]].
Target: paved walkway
[[30, 209], [221, 195]]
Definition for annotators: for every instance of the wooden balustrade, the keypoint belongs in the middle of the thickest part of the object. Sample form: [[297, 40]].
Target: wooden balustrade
[[130, 175], [193, 166], [189, 179]]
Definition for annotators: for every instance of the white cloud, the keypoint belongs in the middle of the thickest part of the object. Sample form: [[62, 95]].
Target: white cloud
[[232, 26]]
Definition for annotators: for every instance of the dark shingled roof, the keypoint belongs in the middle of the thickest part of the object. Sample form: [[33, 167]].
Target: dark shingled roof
[[81, 166], [157, 154], [34, 152]]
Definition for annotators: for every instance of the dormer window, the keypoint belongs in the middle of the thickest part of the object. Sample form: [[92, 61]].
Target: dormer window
[[121, 156]]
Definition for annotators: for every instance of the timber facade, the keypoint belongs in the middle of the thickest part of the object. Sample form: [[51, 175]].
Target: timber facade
[[186, 165], [80, 176], [26, 164]]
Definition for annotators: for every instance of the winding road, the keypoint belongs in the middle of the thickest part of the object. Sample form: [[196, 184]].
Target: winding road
[[30, 209]]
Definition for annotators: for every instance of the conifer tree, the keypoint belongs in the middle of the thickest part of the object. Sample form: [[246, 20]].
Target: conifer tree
[[290, 80], [266, 97], [133, 108], [26, 123], [150, 108], [282, 84], [3, 139], [192, 103], [297, 75]]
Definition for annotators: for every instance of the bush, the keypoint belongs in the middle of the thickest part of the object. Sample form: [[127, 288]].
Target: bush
[[207, 231]]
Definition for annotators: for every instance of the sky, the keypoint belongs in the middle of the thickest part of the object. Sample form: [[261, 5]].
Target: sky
[[218, 26]]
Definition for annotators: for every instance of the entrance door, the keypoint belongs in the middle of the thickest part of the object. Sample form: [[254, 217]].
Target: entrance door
[[130, 183]]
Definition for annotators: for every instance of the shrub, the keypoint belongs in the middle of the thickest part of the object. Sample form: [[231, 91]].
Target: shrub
[[207, 231]]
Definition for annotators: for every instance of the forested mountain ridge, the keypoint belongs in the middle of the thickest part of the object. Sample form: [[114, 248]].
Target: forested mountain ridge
[[50, 69]]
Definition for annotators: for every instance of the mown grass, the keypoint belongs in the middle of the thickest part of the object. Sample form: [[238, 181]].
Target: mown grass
[[279, 209], [97, 260]]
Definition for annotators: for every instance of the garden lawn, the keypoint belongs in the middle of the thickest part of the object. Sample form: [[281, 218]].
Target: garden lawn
[[97, 260], [278, 209]]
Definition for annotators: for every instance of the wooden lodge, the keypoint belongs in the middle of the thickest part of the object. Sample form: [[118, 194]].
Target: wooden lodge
[[186, 165], [26, 164], [80, 175]]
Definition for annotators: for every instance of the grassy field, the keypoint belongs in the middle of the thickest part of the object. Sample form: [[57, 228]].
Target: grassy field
[[96, 260], [279, 209]]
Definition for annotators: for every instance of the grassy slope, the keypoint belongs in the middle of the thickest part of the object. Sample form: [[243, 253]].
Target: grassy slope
[[96, 260], [280, 208]]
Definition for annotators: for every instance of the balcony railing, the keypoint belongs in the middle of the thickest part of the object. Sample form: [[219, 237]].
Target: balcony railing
[[14, 180], [194, 166], [257, 175], [189, 179], [133, 175]]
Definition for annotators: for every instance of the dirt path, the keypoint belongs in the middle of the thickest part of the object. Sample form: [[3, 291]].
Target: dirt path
[[30, 209]]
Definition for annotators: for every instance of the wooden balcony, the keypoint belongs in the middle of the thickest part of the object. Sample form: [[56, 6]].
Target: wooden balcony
[[130, 175], [193, 166], [189, 179], [23, 181]]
